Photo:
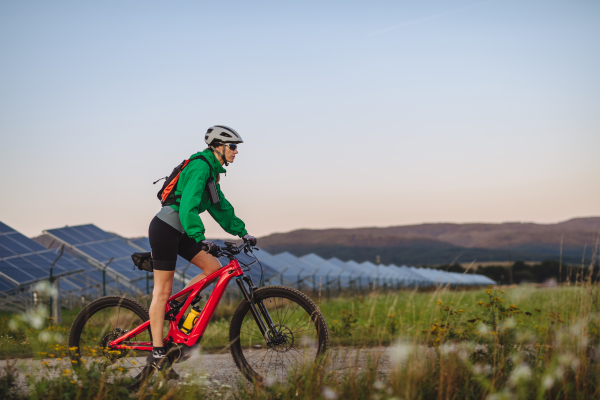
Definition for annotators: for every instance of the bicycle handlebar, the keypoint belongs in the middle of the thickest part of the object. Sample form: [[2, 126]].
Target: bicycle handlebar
[[231, 250]]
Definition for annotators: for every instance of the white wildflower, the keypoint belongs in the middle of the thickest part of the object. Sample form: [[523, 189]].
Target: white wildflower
[[483, 328], [559, 372], [508, 324], [46, 336], [45, 288], [270, 380], [504, 395], [482, 369], [447, 348], [329, 393], [548, 382], [400, 352], [378, 385], [566, 359], [520, 374]]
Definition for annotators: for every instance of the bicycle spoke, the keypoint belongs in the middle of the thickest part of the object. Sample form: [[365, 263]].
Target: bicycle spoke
[[293, 339]]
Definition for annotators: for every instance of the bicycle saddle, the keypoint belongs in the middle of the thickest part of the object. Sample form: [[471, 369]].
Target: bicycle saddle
[[143, 261]]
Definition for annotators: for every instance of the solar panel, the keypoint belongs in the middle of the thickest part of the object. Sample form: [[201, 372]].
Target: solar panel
[[104, 250], [327, 272], [6, 285], [24, 261], [5, 228]]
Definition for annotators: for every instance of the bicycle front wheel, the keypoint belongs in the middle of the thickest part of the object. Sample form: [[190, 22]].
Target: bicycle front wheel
[[302, 335]]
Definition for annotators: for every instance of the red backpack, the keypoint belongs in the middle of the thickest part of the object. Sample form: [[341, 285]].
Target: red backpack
[[166, 193]]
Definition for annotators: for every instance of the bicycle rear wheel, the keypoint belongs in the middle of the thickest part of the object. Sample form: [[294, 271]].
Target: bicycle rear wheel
[[102, 321], [301, 328]]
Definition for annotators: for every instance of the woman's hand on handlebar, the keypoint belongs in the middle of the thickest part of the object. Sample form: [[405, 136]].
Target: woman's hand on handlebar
[[250, 239], [210, 247]]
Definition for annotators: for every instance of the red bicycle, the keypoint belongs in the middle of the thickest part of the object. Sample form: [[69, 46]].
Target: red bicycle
[[272, 331]]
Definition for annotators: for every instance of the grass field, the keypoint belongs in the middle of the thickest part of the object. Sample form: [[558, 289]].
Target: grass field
[[522, 342], [376, 319]]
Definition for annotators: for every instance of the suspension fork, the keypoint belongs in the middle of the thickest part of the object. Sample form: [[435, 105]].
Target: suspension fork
[[257, 308]]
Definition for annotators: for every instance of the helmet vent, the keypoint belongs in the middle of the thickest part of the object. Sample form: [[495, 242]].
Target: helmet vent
[[220, 134]]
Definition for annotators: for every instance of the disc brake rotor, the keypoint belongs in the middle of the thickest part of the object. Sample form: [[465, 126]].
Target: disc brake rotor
[[284, 340]]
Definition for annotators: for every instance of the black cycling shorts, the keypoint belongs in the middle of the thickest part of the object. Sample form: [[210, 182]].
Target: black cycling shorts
[[167, 242]]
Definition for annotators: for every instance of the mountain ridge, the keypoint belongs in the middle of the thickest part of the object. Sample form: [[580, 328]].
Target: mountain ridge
[[437, 242]]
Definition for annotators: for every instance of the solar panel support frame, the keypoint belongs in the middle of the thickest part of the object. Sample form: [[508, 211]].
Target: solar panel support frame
[[24, 285], [99, 265]]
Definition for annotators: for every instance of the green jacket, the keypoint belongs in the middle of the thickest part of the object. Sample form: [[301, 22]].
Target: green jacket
[[191, 186]]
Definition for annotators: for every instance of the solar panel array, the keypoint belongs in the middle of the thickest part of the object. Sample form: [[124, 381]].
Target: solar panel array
[[24, 262], [313, 271], [105, 251], [90, 251]]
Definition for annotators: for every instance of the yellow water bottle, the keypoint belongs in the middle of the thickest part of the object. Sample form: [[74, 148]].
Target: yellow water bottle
[[190, 320]]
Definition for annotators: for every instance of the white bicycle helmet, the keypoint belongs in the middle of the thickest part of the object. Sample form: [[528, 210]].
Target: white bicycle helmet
[[219, 134]]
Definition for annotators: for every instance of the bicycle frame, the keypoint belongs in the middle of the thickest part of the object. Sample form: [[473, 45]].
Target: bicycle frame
[[224, 276]]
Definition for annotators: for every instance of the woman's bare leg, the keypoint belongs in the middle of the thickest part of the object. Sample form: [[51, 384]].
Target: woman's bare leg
[[163, 285], [207, 263]]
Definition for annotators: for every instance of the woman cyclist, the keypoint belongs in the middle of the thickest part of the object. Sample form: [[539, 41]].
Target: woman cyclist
[[178, 230]]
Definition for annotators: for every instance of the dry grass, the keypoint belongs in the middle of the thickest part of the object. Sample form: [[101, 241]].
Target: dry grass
[[522, 343]]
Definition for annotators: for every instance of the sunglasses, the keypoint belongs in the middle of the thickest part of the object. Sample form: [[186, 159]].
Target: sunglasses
[[232, 146]]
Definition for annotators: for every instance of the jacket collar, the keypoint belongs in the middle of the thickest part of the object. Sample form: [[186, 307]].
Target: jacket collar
[[214, 163]]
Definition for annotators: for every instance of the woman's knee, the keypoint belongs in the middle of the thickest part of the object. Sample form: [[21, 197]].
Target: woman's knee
[[207, 263], [161, 295]]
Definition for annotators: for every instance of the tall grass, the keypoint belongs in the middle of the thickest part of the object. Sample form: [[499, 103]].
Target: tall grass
[[494, 343]]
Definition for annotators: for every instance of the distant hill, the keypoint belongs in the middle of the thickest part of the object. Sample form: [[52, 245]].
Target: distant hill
[[446, 243]]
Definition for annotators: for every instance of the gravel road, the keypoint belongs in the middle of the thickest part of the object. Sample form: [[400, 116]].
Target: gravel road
[[217, 368]]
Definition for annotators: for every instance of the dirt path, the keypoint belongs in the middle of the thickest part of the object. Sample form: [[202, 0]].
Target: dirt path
[[214, 369]]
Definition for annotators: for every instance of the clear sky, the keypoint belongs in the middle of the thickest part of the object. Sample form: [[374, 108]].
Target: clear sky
[[354, 113]]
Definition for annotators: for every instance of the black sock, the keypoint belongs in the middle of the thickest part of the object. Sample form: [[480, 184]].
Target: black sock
[[158, 352]]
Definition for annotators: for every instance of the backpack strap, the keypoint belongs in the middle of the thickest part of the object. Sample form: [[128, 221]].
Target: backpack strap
[[203, 159], [175, 199]]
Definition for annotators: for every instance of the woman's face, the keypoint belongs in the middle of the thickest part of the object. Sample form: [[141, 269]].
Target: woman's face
[[229, 154]]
